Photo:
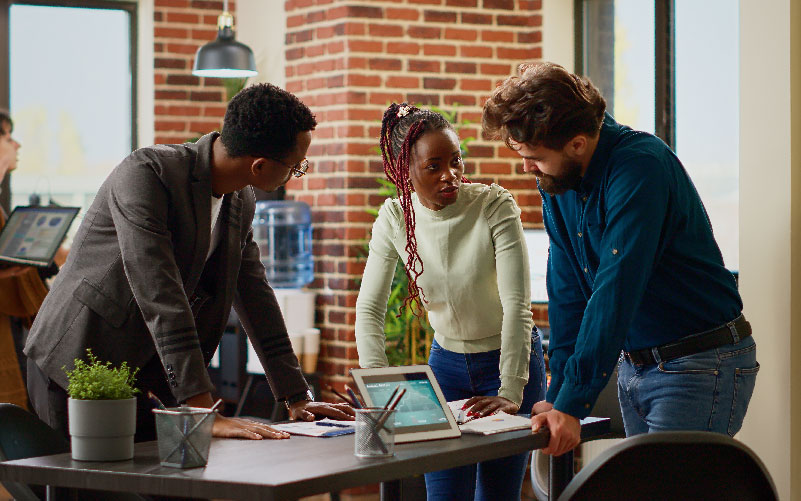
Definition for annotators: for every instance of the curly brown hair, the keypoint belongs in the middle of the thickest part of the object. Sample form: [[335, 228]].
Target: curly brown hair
[[545, 105], [401, 126]]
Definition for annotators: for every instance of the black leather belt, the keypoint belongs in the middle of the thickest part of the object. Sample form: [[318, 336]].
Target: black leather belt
[[728, 333]]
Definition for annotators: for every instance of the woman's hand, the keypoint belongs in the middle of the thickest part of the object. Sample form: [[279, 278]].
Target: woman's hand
[[484, 406], [305, 411]]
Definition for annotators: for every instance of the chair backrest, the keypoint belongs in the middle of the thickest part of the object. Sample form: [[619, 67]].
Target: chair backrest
[[23, 435], [686, 465]]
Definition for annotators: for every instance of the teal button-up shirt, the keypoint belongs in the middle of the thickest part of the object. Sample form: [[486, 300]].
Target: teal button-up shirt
[[633, 264]]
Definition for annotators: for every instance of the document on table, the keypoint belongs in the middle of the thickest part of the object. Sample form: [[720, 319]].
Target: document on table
[[323, 428], [489, 425]]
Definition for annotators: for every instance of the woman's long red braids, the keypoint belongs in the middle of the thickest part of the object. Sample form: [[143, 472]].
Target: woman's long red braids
[[401, 126]]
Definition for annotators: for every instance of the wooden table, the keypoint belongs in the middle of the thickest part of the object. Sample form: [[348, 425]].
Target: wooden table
[[284, 469]]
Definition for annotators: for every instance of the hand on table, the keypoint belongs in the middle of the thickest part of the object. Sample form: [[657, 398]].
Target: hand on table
[[305, 411], [484, 406], [228, 427], [565, 429]]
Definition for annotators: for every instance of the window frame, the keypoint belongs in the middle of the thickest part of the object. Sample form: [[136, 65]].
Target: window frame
[[664, 64], [130, 6]]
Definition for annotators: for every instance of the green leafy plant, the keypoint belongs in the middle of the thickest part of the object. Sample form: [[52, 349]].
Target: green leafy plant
[[408, 338], [99, 381]]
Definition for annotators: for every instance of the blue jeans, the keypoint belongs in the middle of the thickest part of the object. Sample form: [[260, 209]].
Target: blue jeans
[[707, 391], [465, 375]]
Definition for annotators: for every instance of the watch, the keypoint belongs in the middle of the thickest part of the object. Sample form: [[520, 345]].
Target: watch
[[297, 397]]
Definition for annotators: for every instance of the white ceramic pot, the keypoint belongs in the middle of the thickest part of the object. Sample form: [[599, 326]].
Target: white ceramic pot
[[102, 430]]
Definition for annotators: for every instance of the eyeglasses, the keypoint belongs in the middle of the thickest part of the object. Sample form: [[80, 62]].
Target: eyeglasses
[[300, 168]]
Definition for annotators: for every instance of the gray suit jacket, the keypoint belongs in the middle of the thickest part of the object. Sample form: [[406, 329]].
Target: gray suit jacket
[[136, 282]]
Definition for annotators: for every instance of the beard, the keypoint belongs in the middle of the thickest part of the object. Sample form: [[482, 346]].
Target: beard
[[568, 179]]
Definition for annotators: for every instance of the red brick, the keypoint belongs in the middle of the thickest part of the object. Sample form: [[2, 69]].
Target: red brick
[[182, 17], [475, 51], [530, 37], [461, 34], [458, 67], [365, 46], [161, 62], [439, 50], [181, 4], [204, 127], [474, 18], [385, 30], [204, 35], [182, 48], [424, 65], [495, 168], [170, 94], [364, 11], [426, 2], [424, 99], [529, 4], [462, 3], [516, 54], [324, 32], [497, 36], [384, 98], [518, 20], [439, 83], [403, 82], [496, 69], [161, 125], [357, 80], [424, 32], [499, 4], [162, 32], [205, 95], [403, 48], [182, 80], [295, 21], [439, 16], [460, 99], [385, 64], [404, 14]]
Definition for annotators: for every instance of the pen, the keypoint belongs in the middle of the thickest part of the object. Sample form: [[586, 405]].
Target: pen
[[334, 425], [356, 402], [343, 397]]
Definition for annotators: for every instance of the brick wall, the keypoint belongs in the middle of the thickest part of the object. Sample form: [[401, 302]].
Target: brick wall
[[186, 106], [347, 60]]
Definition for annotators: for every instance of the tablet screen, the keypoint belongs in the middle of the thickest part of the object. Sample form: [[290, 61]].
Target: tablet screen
[[422, 413], [33, 234], [418, 408]]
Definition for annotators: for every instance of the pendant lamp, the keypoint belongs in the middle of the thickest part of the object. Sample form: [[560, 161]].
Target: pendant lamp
[[225, 57]]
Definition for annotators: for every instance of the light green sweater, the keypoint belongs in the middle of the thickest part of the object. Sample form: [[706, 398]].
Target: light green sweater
[[475, 280]]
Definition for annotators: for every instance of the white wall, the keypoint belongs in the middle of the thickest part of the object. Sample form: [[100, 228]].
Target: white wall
[[558, 39], [770, 245], [261, 25]]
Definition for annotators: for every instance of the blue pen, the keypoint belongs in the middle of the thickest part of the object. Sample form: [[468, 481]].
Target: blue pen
[[356, 402], [335, 425]]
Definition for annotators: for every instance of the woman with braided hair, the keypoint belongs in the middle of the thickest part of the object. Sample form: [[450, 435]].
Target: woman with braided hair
[[464, 254]]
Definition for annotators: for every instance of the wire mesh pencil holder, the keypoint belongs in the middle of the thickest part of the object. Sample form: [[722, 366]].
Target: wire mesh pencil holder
[[184, 436], [375, 433]]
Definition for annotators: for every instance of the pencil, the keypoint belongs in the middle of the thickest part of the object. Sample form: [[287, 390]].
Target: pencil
[[358, 403], [343, 397]]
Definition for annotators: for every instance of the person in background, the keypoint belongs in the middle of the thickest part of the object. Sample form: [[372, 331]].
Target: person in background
[[466, 260], [163, 253], [634, 272], [9, 149]]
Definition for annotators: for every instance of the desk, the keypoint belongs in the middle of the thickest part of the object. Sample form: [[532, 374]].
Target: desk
[[280, 469]]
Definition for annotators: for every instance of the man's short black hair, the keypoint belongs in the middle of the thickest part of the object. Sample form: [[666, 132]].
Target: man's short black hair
[[263, 120]]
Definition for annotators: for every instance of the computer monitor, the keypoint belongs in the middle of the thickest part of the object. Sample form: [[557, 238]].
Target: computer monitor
[[537, 243], [33, 234]]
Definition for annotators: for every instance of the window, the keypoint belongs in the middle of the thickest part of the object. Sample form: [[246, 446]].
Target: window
[[72, 95], [670, 67]]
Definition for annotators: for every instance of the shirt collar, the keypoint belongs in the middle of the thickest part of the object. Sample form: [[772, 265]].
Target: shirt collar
[[610, 130]]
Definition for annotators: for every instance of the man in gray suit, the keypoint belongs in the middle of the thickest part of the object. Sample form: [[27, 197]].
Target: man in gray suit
[[160, 257]]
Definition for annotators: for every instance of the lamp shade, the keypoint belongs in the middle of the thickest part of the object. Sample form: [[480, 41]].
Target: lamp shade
[[225, 57]]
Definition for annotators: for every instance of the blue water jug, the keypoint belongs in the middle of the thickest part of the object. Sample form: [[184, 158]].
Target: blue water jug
[[283, 232]]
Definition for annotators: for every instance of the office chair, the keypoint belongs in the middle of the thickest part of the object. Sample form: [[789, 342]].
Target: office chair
[[686, 465], [607, 405], [23, 435]]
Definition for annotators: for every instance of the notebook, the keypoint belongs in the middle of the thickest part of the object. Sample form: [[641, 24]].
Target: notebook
[[489, 425]]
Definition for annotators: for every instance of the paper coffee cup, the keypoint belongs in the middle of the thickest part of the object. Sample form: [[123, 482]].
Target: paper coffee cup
[[311, 348]]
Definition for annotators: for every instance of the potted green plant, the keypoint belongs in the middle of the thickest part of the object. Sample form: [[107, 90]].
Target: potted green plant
[[101, 410]]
